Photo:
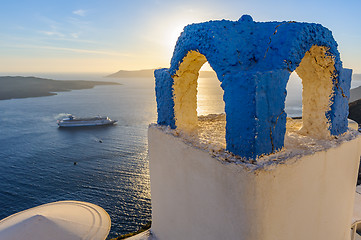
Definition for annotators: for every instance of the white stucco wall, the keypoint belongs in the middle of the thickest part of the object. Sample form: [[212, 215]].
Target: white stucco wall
[[197, 196]]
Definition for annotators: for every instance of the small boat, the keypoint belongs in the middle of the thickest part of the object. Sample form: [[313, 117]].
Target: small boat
[[72, 121]]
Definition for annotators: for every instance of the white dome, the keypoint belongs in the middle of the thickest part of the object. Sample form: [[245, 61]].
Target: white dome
[[57, 221]]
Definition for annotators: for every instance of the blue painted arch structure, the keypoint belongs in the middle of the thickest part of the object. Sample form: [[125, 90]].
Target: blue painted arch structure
[[253, 62]]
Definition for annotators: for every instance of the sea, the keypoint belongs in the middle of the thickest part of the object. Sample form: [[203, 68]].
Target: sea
[[107, 166]]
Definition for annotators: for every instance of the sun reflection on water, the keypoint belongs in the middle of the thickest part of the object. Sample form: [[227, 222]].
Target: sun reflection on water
[[210, 97]]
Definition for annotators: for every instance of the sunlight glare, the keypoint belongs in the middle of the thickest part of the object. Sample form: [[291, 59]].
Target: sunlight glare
[[293, 103], [173, 36], [210, 95]]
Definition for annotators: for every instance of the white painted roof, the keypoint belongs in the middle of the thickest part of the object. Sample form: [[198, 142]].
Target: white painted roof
[[68, 220]]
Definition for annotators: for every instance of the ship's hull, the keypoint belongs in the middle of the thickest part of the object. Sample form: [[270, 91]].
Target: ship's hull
[[85, 123]]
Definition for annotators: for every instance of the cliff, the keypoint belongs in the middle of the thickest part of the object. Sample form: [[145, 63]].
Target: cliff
[[25, 87]]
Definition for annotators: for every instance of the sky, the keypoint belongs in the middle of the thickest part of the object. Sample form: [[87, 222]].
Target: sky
[[78, 36]]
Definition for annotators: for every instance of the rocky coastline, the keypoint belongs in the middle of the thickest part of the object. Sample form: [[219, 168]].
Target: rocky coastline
[[25, 87]]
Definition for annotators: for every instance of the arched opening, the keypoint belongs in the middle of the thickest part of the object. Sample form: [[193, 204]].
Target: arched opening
[[210, 92], [189, 89], [211, 109], [310, 87], [293, 103], [185, 91], [317, 71]]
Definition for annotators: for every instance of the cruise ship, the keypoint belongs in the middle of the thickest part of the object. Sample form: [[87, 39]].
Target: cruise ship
[[72, 121]]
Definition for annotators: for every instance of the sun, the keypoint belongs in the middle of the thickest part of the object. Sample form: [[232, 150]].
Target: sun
[[173, 36]]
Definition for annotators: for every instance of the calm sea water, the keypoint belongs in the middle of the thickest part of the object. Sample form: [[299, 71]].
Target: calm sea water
[[37, 159]]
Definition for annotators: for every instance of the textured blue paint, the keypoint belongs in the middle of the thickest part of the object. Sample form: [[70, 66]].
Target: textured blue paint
[[270, 104], [164, 96], [240, 102], [339, 107], [253, 61]]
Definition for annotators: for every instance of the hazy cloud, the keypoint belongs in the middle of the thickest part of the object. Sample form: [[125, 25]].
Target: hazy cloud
[[89, 51], [74, 50], [80, 12], [75, 35], [53, 33]]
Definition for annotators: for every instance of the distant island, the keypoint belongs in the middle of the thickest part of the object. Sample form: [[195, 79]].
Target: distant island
[[149, 73], [355, 102], [355, 94], [25, 87], [356, 76]]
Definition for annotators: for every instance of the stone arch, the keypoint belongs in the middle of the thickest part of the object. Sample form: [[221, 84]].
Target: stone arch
[[316, 64], [185, 91], [253, 61]]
